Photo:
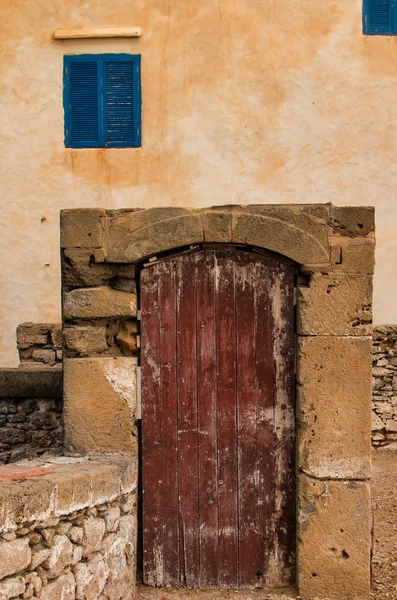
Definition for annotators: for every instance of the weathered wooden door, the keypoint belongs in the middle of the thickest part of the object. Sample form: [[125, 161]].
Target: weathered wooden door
[[217, 420]]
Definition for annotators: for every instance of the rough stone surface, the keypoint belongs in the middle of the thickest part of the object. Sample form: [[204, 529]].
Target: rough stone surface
[[14, 556], [334, 406], [384, 399], [29, 383], [85, 340], [100, 404], [12, 587], [334, 560], [84, 559], [159, 236], [62, 588], [79, 269], [353, 255], [335, 305], [93, 532], [60, 556], [353, 221], [82, 228], [98, 303]]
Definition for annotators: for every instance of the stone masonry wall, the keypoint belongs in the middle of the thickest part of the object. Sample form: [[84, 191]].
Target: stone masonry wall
[[30, 413], [39, 344], [384, 399], [62, 545]]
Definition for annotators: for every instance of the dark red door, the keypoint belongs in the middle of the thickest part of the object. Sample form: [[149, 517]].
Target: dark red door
[[218, 420]]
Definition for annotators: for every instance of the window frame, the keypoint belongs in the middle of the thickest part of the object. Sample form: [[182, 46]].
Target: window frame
[[389, 30], [101, 60]]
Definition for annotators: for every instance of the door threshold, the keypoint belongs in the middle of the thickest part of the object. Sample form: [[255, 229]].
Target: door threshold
[[149, 593]]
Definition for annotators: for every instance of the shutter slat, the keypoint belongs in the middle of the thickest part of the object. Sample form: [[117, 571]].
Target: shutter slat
[[119, 104], [84, 103]]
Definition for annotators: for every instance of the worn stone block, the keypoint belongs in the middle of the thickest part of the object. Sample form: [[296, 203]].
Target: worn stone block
[[280, 236], [93, 532], [335, 305], [217, 226], [11, 587], [100, 404], [81, 269], [353, 255], [334, 523], [60, 556], [30, 334], [97, 303], [352, 221], [82, 228], [85, 340], [62, 588], [334, 406], [138, 243], [14, 556], [127, 336]]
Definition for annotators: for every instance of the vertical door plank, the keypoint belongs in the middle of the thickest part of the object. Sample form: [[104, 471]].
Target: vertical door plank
[[267, 439], [207, 420], [187, 420], [227, 426], [168, 365], [247, 417], [152, 491], [284, 483]]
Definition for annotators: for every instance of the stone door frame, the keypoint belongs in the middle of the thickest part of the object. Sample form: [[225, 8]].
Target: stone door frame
[[334, 249]]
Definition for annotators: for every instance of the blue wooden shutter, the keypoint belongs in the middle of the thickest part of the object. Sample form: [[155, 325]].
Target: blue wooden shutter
[[82, 102], [102, 100], [122, 101], [379, 17]]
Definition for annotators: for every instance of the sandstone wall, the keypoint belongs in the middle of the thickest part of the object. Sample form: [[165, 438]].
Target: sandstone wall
[[384, 399], [39, 344], [30, 412], [74, 536]]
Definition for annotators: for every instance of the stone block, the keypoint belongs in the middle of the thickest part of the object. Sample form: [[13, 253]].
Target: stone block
[[112, 516], [217, 226], [80, 270], [127, 336], [377, 423], [135, 236], [15, 556], [60, 556], [62, 588], [39, 555], [98, 303], [352, 221], [355, 255], [91, 578], [44, 355], [333, 550], [82, 228], [93, 532], [335, 305], [281, 236], [85, 340], [28, 383], [334, 407], [99, 404], [11, 587], [31, 334]]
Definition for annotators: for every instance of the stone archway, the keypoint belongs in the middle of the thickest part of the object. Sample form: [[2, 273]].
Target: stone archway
[[334, 248]]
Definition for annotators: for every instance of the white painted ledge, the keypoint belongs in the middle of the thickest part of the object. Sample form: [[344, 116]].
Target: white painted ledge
[[112, 32]]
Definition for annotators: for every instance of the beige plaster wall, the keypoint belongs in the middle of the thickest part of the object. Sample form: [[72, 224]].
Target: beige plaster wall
[[244, 101]]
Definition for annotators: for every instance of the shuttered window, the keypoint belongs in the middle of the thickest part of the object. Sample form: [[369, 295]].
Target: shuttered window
[[102, 100], [380, 17]]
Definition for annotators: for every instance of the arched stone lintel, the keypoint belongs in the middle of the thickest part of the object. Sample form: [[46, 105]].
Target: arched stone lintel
[[130, 242]]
